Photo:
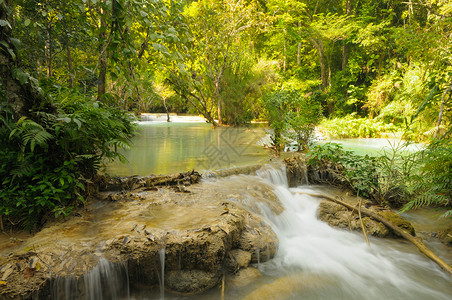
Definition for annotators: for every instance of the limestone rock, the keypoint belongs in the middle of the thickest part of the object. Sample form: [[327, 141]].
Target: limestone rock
[[339, 216], [258, 239], [237, 259], [397, 220], [244, 277], [187, 282], [445, 236]]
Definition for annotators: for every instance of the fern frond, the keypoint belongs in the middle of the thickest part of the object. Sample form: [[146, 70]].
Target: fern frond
[[28, 132], [425, 200]]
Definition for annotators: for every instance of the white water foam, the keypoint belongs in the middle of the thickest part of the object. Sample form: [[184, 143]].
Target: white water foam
[[309, 245], [106, 281]]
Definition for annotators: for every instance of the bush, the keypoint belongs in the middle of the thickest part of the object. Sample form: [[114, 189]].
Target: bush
[[432, 185], [330, 162], [292, 117], [353, 127], [45, 162]]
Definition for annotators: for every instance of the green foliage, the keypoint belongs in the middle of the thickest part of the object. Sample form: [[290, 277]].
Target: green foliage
[[356, 172], [397, 177], [291, 117], [432, 185], [354, 127], [302, 119], [46, 163]]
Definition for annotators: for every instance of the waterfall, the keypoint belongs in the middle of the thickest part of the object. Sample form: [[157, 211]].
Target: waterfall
[[106, 281], [162, 273], [356, 271]]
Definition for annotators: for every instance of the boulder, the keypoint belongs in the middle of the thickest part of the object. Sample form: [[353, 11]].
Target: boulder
[[243, 277], [237, 259], [339, 216], [189, 282]]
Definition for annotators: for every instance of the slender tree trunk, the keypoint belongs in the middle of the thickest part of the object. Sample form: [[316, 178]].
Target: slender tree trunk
[[70, 66], [166, 109], [299, 45], [441, 109], [323, 65], [220, 116], [48, 50], [344, 54], [103, 60], [345, 46], [284, 53]]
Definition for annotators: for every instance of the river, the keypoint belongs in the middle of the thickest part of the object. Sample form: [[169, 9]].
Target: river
[[314, 260]]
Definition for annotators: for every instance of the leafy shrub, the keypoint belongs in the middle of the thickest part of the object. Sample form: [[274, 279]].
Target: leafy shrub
[[353, 127], [292, 117], [330, 162], [45, 162], [432, 185]]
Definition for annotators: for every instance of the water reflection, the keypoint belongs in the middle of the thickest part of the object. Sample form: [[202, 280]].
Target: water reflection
[[375, 146], [165, 148]]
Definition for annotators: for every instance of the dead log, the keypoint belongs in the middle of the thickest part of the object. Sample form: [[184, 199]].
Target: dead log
[[417, 241]]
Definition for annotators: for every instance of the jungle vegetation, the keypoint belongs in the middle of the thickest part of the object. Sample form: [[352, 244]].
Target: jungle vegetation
[[73, 74]]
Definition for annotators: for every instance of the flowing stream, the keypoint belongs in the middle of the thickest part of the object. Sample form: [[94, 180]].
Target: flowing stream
[[316, 261]]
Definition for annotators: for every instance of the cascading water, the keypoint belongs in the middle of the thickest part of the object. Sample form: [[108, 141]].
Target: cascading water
[[162, 273], [348, 268], [106, 281]]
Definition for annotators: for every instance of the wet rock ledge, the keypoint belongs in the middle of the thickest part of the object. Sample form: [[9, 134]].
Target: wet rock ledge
[[200, 231]]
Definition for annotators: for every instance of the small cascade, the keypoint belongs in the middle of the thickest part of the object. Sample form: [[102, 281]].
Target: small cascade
[[304, 169], [162, 273], [257, 251], [351, 270], [268, 252], [106, 281]]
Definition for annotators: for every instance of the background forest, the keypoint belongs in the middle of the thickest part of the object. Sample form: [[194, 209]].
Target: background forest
[[387, 61], [365, 68]]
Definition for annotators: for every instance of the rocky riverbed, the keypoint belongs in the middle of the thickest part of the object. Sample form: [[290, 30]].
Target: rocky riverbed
[[201, 231]]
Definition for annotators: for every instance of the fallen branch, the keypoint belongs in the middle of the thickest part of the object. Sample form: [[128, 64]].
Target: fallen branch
[[361, 222], [417, 241]]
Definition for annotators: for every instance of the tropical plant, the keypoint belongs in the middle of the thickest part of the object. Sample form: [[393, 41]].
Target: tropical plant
[[46, 162], [432, 185], [352, 126], [331, 163], [292, 117]]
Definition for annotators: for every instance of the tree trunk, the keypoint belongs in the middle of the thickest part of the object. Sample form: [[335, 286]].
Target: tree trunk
[[70, 66], [103, 60], [220, 116], [344, 54], [441, 109], [284, 53], [345, 46], [323, 67], [48, 50], [299, 45], [166, 109]]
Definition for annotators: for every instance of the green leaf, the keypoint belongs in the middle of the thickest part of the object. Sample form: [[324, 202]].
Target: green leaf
[[11, 52], [27, 22], [4, 23]]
